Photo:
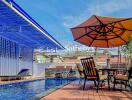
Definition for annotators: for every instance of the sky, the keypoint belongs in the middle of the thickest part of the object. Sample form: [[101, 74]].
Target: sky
[[58, 16]]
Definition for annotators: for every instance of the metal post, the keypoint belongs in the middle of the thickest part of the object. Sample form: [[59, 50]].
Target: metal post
[[118, 57], [108, 63]]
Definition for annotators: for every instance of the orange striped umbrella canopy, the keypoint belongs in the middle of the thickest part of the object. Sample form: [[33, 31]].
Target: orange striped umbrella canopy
[[105, 32]]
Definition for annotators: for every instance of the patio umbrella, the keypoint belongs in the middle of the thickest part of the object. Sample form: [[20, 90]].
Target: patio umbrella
[[103, 32]]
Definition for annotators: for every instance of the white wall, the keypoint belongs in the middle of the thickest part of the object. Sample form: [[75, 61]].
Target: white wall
[[26, 62], [39, 69]]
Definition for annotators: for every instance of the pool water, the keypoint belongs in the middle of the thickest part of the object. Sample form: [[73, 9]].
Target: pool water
[[31, 89]]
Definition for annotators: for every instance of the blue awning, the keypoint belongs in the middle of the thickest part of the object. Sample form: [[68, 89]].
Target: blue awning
[[18, 26]]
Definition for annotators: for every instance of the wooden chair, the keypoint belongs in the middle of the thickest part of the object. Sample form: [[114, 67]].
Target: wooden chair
[[123, 78], [91, 73]]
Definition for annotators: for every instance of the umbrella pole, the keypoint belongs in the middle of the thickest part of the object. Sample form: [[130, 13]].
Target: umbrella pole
[[95, 54], [118, 57]]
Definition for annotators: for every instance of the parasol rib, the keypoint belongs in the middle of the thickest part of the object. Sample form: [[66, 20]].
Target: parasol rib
[[120, 20], [98, 19], [84, 27], [118, 35], [122, 28], [106, 37], [85, 34], [95, 37]]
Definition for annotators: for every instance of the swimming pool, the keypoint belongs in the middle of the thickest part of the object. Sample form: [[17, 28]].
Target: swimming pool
[[30, 90]]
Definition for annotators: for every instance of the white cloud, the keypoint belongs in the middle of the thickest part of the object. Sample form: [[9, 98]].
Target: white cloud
[[105, 8]]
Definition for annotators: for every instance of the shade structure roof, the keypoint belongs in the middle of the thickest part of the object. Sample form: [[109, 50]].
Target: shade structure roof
[[18, 26], [100, 31]]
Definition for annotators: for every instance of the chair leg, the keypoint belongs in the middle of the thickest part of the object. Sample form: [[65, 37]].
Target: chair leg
[[98, 85], [108, 82], [84, 84], [121, 84], [114, 83], [95, 83], [129, 86], [125, 84], [102, 83]]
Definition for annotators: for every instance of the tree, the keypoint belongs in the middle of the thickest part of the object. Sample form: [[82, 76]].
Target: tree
[[127, 50]]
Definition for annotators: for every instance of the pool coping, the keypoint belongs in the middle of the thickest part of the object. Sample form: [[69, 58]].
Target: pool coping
[[20, 81], [40, 96]]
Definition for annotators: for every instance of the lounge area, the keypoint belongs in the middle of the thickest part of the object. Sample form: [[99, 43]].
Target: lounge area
[[96, 84]]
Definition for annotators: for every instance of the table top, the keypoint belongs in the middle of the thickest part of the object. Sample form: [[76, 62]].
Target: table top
[[112, 69]]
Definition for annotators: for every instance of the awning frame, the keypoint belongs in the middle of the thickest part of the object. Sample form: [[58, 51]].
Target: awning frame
[[13, 6]]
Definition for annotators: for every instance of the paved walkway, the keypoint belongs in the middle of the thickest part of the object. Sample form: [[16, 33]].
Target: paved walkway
[[74, 91]]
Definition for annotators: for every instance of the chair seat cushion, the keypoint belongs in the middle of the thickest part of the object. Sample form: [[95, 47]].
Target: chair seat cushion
[[103, 77], [130, 80], [92, 77], [121, 77], [82, 76]]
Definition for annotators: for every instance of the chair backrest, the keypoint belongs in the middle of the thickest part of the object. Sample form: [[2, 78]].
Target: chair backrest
[[89, 69]]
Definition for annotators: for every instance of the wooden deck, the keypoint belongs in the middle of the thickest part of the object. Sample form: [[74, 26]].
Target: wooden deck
[[74, 91]]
